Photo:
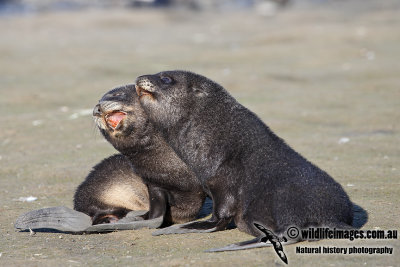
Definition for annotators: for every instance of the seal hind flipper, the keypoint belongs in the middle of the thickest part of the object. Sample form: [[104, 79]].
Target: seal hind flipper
[[207, 226], [135, 215], [253, 243], [249, 244], [67, 220], [180, 229], [125, 224], [57, 218]]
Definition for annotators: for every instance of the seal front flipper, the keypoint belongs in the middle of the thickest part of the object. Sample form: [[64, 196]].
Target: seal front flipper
[[207, 226], [132, 221], [249, 244], [135, 215], [253, 243], [57, 218], [261, 241]]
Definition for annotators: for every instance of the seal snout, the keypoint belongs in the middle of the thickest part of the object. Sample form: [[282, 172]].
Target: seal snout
[[144, 87], [108, 113], [97, 111]]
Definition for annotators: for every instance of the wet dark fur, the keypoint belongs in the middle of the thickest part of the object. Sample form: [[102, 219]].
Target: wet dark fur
[[93, 196], [251, 174], [174, 190]]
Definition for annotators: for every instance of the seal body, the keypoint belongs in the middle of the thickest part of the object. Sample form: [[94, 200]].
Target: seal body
[[174, 191], [111, 190], [250, 173]]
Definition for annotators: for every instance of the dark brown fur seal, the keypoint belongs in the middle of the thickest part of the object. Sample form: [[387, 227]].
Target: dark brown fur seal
[[111, 190], [251, 174], [174, 191]]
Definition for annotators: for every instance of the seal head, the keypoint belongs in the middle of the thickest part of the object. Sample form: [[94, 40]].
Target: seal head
[[120, 118], [171, 96]]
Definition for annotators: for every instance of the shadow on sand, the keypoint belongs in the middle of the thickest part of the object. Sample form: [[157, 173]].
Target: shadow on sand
[[360, 216]]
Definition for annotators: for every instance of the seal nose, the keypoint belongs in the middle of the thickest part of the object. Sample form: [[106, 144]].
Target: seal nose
[[97, 111], [138, 79], [144, 85], [117, 94]]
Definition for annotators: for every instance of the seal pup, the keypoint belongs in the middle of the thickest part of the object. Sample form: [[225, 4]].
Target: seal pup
[[174, 191], [250, 173], [114, 186], [111, 190], [110, 198]]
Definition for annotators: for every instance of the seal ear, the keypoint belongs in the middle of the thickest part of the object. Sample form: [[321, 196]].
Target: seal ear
[[199, 91]]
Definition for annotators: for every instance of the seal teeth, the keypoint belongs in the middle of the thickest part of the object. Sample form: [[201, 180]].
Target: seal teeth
[[113, 119]]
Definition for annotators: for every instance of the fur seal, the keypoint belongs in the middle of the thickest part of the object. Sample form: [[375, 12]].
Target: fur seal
[[174, 191], [250, 173], [112, 197], [111, 190]]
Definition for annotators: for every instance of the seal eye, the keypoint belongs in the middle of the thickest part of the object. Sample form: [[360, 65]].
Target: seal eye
[[166, 80]]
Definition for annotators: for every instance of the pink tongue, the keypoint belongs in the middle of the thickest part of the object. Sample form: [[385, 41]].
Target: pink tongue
[[115, 118]]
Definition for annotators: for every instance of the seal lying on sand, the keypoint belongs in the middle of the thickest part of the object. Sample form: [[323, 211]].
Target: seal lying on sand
[[111, 190], [251, 174], [110, 198], [174, 191]]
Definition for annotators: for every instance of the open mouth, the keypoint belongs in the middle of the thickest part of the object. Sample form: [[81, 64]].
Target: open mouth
[[142, 92], [113, 119]]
